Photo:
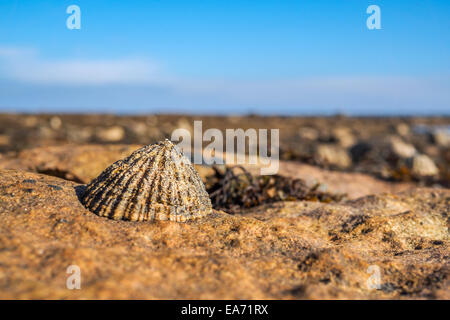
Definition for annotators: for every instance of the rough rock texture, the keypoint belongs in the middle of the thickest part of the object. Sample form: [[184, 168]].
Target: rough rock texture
[[287, 250]]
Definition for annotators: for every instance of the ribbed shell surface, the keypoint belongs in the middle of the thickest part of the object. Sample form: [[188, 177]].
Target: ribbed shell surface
[[155, 182]]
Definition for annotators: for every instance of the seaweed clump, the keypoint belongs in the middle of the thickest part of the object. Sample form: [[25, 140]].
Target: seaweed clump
[[234, 188]]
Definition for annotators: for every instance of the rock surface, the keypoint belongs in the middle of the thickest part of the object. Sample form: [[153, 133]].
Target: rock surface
[[79, 163], [82, 163], [332, 155], [423, 166], [401, 149], [288, 250]]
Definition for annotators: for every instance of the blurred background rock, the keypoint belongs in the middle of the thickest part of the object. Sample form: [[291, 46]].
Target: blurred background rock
[[399, 149]]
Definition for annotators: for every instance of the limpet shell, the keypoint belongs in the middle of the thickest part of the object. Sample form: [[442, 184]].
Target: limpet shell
[[156, 182]]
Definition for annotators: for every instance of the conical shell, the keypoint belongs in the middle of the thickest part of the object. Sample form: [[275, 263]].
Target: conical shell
[[156, 182]]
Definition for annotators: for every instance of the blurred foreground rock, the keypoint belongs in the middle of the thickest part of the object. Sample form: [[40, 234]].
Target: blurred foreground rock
[[286, 250]]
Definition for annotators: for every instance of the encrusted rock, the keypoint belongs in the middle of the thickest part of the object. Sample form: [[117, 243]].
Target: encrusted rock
[[423, 166], [344, 137], [329, 154], [442, 137], [400, 148], [111, 134]]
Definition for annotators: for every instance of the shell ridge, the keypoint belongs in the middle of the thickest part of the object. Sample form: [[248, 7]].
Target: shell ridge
[[135, 184], [98, 186], [147, 201], [135, 200], [156, 188], [108, 187], [117, 204]]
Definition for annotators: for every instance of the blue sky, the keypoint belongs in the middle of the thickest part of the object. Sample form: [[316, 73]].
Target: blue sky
[[269, 57]]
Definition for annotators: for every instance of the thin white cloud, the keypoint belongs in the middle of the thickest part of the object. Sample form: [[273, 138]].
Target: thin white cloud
[[337, 91], [27, 66], [30, 80]]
